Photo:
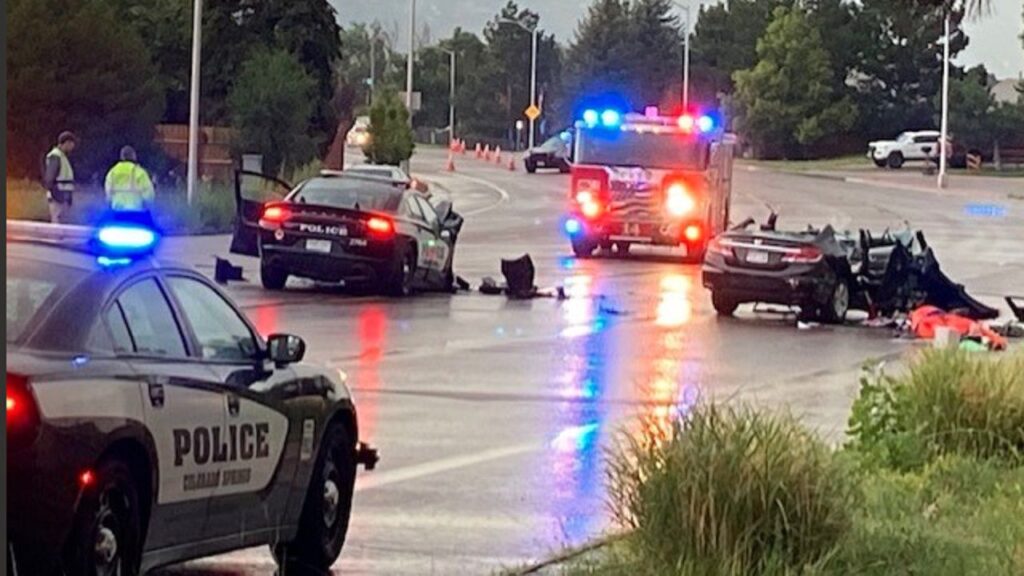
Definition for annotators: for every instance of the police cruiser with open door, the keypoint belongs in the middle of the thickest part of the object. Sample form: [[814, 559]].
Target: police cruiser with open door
[[149, 423]]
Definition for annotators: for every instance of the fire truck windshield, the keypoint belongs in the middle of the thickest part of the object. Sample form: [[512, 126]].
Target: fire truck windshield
[[667, 151]]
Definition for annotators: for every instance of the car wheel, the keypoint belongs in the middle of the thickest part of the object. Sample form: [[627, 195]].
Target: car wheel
[[838, 304], [323, 524], [895, 160], [531, 166], [724, 305], [583, 248], [399, 278], [107, 537], [564, 167], [880, 163], [272, 277]]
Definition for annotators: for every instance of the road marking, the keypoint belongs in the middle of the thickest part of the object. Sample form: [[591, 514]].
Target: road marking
[[504, 195], [404, 474]]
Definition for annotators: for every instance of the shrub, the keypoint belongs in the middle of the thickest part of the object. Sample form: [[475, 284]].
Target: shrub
[[948, 402], [391, 139], [730, 491]]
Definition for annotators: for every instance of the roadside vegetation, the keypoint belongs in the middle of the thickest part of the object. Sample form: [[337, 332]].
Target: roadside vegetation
[[931, 482]]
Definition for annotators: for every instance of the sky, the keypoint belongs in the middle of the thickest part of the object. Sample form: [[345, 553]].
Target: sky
[[994, 38]]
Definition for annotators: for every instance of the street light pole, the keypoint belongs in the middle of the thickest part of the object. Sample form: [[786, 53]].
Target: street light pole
[[533, 66], [193, 105], [686, 55], [945, 106], [533, 82], [451, 97], [412, 56]]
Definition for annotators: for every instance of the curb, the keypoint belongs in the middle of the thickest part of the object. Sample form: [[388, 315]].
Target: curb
[[564, 556]]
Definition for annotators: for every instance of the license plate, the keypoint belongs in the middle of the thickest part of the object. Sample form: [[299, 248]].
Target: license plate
[[757, 257], [323, 246]]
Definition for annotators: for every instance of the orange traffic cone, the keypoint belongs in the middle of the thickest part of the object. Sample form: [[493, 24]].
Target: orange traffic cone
[[450, 166], [487, 152], [497, 154], [512, 163], [478, 151], [462, 146]]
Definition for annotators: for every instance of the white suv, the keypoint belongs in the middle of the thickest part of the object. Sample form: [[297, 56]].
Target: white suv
[[923, 145]]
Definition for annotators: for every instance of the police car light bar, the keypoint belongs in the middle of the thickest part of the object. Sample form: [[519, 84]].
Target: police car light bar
[[112, 241]]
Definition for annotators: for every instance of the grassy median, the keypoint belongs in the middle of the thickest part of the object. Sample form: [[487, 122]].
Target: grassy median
[[212, 210], [931, 482]]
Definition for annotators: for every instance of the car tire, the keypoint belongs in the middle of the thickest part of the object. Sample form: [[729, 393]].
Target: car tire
[[724, 305], [272, 277], [106, 536], [880, 163], [531, 166], [622, 248], [895, 160], [834, 310], [583, 248], [564, 167], [398, 282], [323, 525]]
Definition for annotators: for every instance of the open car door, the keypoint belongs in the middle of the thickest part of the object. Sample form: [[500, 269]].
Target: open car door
[[252, 191]]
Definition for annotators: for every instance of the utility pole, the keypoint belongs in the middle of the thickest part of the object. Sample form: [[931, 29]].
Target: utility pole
[[945, 106], [451, 98], [193, 104]]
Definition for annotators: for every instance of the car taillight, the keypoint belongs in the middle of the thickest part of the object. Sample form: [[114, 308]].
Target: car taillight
[[716, 246], [22, 415], [803, 255], [693, 232], [380, 225], [274, 215], [590, 204]]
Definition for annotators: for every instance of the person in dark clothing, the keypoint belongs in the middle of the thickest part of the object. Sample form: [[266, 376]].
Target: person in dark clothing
[[59, 178]]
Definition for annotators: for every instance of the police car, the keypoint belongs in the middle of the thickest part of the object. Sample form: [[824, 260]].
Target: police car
[[149, 423]]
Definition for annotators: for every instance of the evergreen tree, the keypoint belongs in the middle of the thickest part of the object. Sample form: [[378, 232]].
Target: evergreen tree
[[391, 139]]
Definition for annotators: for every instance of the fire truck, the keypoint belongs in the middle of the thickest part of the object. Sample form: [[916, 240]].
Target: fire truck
[[648, 179]]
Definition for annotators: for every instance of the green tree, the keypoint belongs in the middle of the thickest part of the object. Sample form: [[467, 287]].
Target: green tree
[[510, 49], [271, 106], [391, 139], [631, 50], [92, 77], [901, 69], [786, 103]]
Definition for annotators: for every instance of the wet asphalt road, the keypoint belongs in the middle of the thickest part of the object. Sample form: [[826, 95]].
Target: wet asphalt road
[[492, 416]]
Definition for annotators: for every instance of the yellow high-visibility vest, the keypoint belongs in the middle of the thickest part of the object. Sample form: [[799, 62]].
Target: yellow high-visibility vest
[[128, 187], [66, 175]]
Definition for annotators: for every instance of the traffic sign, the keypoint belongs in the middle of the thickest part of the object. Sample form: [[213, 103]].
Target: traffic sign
[[532, 112]]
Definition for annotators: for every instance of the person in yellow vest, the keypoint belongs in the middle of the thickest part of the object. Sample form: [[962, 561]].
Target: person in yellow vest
[[128, 186], [59, 178]]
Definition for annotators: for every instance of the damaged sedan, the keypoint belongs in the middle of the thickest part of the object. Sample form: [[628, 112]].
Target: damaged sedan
[[825, 273]]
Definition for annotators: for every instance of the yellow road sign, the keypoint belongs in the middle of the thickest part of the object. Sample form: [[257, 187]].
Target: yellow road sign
[[532, 112]]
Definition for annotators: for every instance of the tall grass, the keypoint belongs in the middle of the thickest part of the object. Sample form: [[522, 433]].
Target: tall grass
[[948, 402], [731, 491]]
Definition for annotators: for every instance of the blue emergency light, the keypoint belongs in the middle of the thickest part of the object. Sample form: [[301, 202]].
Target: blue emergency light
[[126, 237], [705, 123], [608, 118], [117, 240], [573, 227]]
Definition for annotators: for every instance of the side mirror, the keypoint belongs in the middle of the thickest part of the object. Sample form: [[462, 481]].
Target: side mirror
[[283, 349]]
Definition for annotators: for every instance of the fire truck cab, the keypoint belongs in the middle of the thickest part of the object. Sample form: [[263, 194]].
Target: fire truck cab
[[648, 179]]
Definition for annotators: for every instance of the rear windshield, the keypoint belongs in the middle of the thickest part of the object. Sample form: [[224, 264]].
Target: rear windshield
[[642, 149], [376, 173], [33, 288], [349, 193]]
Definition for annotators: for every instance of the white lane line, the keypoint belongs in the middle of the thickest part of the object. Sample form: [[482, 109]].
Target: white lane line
[[378, 479], [502, 193]]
